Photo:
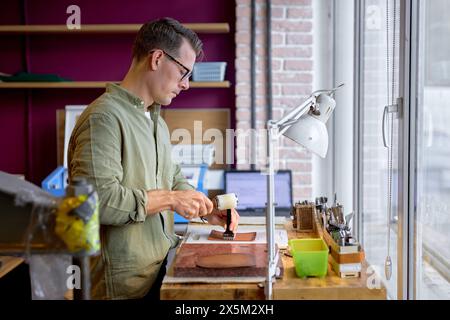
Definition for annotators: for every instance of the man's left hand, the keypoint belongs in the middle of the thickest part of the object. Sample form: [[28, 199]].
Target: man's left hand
[[219, 218]]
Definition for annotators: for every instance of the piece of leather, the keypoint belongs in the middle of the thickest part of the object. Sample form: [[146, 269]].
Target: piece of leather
[[244, 236], [230, 260]]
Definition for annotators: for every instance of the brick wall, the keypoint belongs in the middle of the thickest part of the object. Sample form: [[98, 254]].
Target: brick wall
[[292, 65]]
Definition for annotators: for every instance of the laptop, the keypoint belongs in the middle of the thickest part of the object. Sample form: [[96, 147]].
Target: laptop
[[250, 186]]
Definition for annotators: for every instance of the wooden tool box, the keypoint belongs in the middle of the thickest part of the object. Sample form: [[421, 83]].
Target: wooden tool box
[[346, 261], [303, 217]]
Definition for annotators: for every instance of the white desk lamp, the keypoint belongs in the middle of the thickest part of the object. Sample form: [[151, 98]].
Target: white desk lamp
[[306, 126]]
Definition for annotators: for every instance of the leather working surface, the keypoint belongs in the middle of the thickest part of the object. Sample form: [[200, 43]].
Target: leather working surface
[[230, 260], [243, 236], [185, 264]]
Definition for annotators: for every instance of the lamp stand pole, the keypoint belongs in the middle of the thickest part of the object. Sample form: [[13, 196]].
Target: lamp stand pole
[[272, 253], [274, 130]]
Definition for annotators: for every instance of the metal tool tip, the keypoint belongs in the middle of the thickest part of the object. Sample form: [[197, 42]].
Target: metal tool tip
[[228, 236]]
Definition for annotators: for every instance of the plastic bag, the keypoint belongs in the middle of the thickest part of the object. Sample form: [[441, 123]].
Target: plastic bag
[[48, 274]]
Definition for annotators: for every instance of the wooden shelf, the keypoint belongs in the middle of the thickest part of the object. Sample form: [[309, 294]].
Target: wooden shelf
[[8, 263], [106, 28], [198, 84], [93, 84]]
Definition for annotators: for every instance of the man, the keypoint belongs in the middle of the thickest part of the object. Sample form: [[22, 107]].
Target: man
[[127, 157]]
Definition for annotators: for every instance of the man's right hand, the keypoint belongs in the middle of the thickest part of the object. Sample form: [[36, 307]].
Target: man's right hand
[[191, 204], [188, 203]]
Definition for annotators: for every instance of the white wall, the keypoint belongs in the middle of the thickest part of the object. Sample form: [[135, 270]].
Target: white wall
[[322, 184], [334, 64], [343, 115]]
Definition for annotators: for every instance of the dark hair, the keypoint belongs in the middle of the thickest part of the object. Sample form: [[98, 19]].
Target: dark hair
[[166, 34]]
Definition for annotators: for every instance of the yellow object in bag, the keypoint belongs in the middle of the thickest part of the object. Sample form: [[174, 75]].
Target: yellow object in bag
[[77, 223]]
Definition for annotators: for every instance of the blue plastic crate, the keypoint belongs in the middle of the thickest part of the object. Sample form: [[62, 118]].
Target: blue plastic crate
[[56, 182]]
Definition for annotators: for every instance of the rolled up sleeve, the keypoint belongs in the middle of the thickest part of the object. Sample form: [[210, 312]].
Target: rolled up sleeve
[[95, 153]]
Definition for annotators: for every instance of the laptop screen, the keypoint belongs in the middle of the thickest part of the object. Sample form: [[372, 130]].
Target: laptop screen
[[251, 190]]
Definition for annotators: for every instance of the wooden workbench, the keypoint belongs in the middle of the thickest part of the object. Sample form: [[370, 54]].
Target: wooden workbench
[[8, 263], [290, 287]]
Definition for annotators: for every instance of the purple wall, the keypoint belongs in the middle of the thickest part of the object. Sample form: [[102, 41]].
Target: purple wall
[[28, 117]]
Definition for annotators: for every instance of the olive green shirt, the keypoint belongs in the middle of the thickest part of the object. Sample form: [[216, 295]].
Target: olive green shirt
[[123, 152]]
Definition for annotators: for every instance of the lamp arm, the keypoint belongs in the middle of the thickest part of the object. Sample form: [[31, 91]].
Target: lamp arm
[[288, 124], [328, 91], [297, 112]]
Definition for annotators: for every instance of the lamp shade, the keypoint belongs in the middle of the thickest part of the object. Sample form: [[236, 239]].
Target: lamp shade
[[311, 133]]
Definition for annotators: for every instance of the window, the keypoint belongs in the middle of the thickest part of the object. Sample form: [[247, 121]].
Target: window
[[432, 216], [419, 242], [379, 57]]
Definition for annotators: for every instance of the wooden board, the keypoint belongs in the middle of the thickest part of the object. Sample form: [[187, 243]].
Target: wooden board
[[347, 257], [331, 287], [204, 121], [96, 84], [60, 131], [106, 28], [8, 263], [185, 264]]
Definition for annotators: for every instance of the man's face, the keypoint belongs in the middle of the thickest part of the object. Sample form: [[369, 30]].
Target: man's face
[[170, 74]]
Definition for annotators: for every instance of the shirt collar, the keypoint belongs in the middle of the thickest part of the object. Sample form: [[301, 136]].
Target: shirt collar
[[125, 94], [138, 103]]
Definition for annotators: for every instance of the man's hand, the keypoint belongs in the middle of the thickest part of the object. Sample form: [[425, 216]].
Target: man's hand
[[191, 204], [219, 218]]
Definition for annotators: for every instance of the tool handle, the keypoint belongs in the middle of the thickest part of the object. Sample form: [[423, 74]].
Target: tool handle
[[382, 127], [228, 219]]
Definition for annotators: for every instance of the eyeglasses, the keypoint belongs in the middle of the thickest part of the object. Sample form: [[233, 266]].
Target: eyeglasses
[[187, 72]]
